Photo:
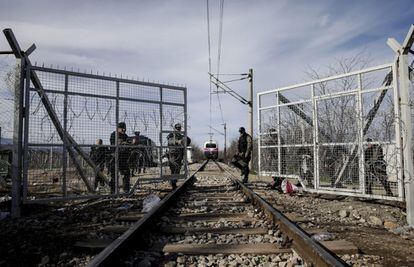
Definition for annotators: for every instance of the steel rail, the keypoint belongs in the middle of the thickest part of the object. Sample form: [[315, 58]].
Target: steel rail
[[111, 254], [310, 250]]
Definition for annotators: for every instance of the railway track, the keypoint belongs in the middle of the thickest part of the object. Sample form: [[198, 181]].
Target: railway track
[[101, 221], [214, 220]]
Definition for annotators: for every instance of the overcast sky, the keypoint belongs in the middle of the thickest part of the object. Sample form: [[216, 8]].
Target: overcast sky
[[166, 41]]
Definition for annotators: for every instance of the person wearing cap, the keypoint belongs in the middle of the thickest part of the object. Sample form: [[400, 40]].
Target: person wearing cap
[[375, 167], [244, 152], [177, 148], [123, 157]]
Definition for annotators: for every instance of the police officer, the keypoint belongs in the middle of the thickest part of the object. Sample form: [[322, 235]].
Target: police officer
[[98, 156], [176, 152], [375, 167], [135, 158], [123, 157], [244, 152]]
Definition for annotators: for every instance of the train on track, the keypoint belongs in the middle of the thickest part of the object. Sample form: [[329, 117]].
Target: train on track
[[210, 150]]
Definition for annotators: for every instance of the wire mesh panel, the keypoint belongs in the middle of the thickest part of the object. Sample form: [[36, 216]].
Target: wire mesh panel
[[44, 177], [294, 129], [42, 129], [9, 74], [90, 135], [9, 80], [335, 135]]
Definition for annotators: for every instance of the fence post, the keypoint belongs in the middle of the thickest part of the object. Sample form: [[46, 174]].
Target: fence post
[[407, 136], [360, 140], [259, 137], [116, 176], [160, 137], [65, 142], [17, 138]]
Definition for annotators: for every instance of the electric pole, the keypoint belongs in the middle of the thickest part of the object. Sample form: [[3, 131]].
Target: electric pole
[[249, 102], [250, 111], [225, 142]]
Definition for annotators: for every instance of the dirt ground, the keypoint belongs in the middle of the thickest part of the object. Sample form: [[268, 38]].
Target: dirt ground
[[45, 234], [377, 228]]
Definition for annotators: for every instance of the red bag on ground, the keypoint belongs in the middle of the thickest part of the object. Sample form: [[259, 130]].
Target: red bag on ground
[[289, 188]]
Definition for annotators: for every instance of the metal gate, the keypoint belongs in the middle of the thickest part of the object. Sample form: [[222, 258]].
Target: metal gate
[[340, 135], [68, 112], [59, 118]]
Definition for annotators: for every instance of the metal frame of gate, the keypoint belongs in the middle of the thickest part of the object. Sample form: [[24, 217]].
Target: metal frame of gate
[[301, 102], [69, 85], [319, 138], [168, 103]]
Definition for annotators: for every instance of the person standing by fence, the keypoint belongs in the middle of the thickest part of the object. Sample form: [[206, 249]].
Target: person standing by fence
[[375, 168], [177, 149], [244, 151], [98, 156], [123, 157]]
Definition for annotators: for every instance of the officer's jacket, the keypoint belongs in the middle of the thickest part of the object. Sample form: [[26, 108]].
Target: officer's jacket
[[98, 154], [122, 140], [245, 144], [374, 158], [175, 147]]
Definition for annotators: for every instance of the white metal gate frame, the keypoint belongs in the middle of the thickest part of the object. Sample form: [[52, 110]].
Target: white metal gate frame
[[360, 192]]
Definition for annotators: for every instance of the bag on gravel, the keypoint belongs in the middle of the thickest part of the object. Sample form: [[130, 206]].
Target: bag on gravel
[[288, 187], [149, 202]]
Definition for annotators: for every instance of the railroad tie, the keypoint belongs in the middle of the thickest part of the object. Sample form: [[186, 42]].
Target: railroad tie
[[223, 230], [131, 217], [211, 217], [341, 246], [205, 249]]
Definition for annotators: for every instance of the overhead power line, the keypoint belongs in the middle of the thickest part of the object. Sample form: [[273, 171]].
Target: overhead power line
[[221, 12], [228, 90], [209, 58]]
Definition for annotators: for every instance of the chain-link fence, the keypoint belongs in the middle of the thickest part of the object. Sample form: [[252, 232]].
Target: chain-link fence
[[9, 74], [86, 135], [338, 134]]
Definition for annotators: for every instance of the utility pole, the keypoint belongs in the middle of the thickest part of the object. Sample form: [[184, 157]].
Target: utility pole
[[225, 142], [244, 101], [250, 110]]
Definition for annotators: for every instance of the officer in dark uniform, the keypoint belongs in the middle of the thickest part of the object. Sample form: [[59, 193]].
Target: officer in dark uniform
[[375, 167], [136, 155], [98, 155], [176, 152], [244, 152], [123, 157]]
